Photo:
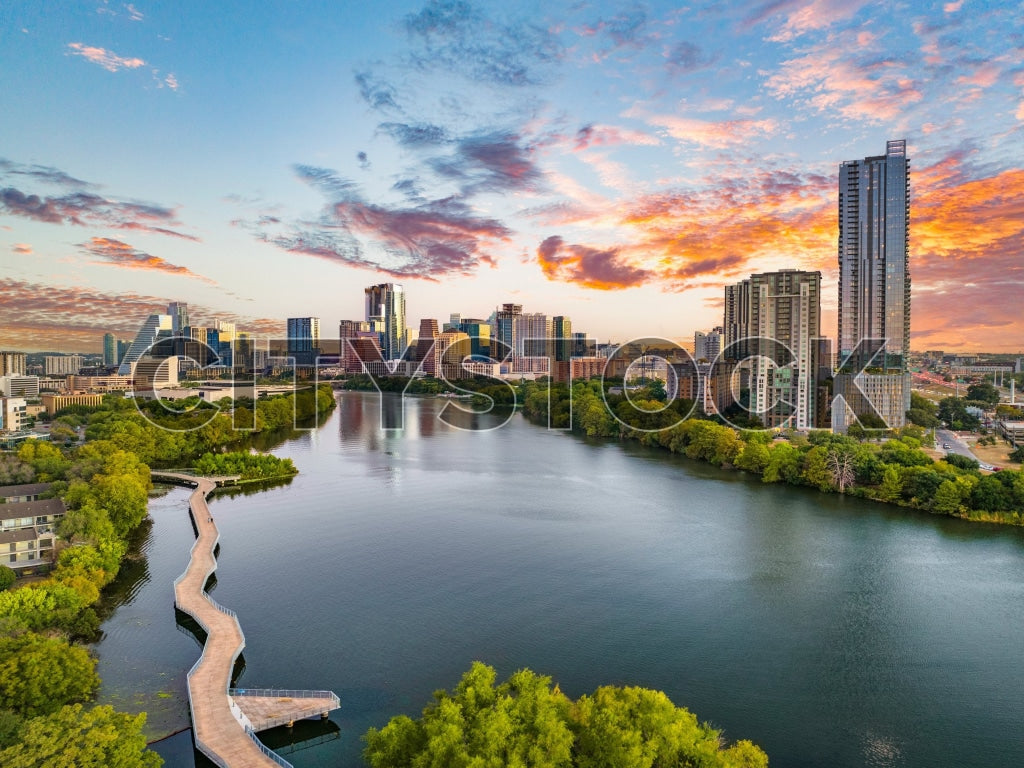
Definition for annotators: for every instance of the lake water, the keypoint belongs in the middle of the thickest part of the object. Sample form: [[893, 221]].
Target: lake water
[[830, 631]]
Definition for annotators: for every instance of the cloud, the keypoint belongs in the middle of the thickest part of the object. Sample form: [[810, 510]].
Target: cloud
[[42, 316], [134, 13], [364, 161], [626, 29], [953, 7], [415, 135], [497, 161], [719, 134], [121, 254], [171, 82], [376, 92], [685, 57], [22, 249], [830, 79], [799, 17], [456, 35], [592, 135], [43, 173], [86, 208], [590, 267], [109, 60], [428, 240]]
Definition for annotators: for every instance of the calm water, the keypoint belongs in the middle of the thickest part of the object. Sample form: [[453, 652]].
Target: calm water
[[829, 631]]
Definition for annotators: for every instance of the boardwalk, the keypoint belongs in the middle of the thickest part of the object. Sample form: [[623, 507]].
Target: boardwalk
[[221, 727]]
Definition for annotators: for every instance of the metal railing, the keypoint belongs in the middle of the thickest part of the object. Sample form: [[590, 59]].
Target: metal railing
[[285, 693], [267, 750]]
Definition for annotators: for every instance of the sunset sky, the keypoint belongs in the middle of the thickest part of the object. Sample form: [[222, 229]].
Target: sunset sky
[[615, 162]]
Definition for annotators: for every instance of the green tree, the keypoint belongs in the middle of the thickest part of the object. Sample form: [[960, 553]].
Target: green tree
[[953, 411], [984, 392], [40, 674], [527, 723], [947, 498], [79, 738], [7, 578]]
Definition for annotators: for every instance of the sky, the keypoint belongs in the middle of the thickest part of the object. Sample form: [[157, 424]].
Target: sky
[[618, 163]]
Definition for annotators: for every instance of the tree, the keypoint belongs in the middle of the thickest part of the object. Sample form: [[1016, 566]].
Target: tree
[[527, 723], [94, 738], [990, 495], [983, 392], [947, 498], [40, 674], [961, 462], [816, 470], [953, 411], [1017, 454], [7, 578], [841, 466]]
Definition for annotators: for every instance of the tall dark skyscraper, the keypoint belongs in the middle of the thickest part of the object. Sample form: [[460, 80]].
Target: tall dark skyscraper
[[874, 253], [874, 286], [385, 307]]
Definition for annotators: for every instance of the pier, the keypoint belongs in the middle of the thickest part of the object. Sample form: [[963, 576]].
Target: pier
[[224, 719]]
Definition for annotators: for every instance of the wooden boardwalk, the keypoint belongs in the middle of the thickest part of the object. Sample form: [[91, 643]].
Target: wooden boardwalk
[[221, 727]]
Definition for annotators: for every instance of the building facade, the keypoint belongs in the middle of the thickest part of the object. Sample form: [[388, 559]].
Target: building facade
[[110, 350], [62, 365], [385, 305], [785, 319], [12, 363], [874, 288]]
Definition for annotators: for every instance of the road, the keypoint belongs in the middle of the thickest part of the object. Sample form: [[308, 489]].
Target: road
[[956, 445]]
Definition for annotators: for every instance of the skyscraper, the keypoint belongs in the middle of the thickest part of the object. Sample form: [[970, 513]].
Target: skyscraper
[[874, 254], [425, 346], [304, 339], [504, 325], [736, 319], [385, 304], [785, 306], [561, 328], [874, 289], [109, 349], [178, 310], [155, 328]]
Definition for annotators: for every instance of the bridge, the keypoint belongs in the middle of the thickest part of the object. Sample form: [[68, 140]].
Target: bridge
[[224, 719]]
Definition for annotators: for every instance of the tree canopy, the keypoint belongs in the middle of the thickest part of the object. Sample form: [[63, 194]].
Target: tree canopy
[[526, 722]]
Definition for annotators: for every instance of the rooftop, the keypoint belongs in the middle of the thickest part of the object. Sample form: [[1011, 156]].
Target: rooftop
[[32, 508], [27, 489]]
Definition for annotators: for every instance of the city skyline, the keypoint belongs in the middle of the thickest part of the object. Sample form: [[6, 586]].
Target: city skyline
[[618, 164]]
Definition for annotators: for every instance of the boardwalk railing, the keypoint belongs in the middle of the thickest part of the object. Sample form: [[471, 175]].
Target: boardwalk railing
[[284, 693], [267, 750]]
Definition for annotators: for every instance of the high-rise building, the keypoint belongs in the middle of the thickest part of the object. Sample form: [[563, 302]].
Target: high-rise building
[[736, 320], [12, 363], [479, 332], [122, 349], [304, 339], [385, 304], [178, 310], [62, 365], [156, 328], [707, 344], [532, 332], [110, 349], [785, 308], [504, 325], [561, 329], [425, 346], [874, 289], [874, 254]]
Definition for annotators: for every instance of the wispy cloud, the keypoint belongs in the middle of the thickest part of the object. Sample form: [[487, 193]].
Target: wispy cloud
[[590, 267], [22, 249], [428, 240], [717, 134], [109, 60], [458, 36], [120, 254]]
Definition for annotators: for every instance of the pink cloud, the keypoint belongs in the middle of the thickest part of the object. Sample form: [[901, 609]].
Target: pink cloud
[[23, 249], [109, 60], [719, 134]]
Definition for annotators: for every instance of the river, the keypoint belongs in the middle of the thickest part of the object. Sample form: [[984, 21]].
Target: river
[[828, 630]]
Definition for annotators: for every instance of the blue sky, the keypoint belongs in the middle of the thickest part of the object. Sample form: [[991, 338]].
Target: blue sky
[[615, 162]]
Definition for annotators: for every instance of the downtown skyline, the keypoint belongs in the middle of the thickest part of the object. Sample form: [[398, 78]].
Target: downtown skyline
[[618, 163]]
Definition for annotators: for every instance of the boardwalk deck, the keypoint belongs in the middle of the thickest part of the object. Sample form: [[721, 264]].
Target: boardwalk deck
[[217, 726]]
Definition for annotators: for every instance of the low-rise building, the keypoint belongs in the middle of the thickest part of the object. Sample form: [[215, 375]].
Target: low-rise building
[[12, 494], [13, 414], [26, 550], [54, 403], [41, 514], [18, 385], [1012, 431], [99, 383]]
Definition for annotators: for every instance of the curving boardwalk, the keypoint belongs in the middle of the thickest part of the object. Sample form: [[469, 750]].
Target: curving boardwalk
[[220, 725]]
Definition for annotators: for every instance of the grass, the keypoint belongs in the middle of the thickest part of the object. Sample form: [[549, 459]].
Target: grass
[[996, 455]]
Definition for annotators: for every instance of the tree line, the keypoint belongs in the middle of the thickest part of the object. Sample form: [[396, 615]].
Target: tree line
[[896, 471]]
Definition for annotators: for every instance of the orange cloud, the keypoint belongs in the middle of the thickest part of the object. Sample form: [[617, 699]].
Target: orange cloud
[[49, 317], [120, 254], [23, 249], [109, 60], [719, 134]]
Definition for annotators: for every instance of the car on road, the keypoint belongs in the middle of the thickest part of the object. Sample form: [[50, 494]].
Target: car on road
[[945, 446]]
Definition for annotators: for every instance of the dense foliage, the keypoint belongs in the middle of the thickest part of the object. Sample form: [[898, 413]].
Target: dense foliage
[[526, 721], [82, 738], [895, 471], [250, 466]]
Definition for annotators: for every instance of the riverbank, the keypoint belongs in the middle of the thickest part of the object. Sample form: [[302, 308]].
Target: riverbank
[[896, 472]]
